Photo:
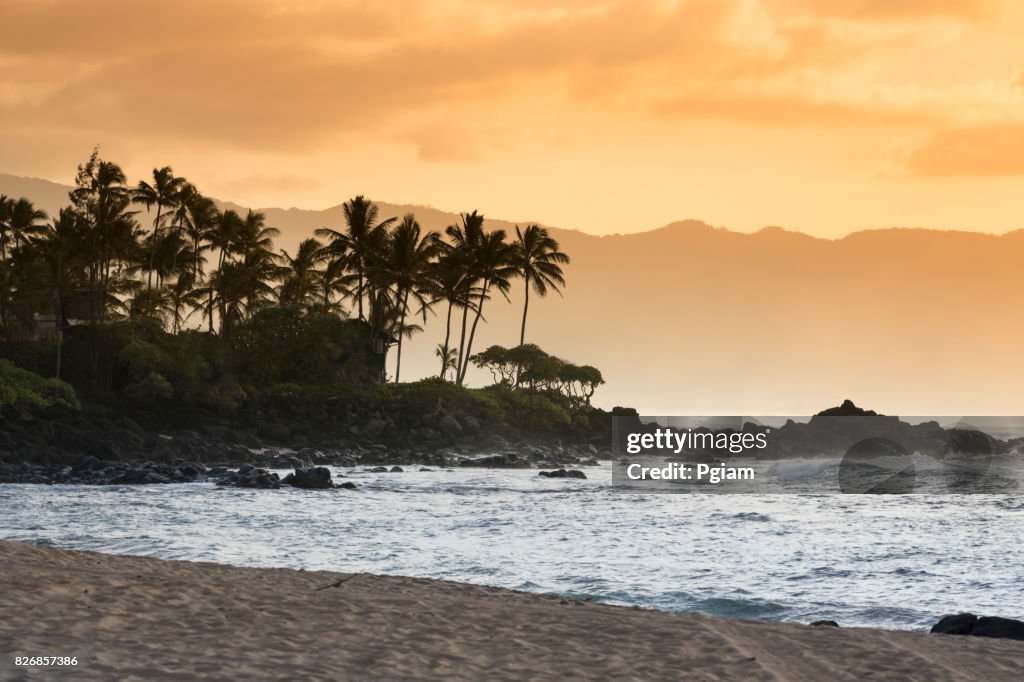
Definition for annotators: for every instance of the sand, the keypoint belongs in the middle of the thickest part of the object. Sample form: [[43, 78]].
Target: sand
[[139, 618]]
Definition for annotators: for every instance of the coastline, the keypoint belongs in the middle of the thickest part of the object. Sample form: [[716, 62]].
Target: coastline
[[153, 618]]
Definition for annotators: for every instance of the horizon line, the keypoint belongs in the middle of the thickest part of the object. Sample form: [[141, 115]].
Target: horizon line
[[687, 222]]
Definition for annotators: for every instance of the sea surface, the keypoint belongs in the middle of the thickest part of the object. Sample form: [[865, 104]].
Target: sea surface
[[893, 561]]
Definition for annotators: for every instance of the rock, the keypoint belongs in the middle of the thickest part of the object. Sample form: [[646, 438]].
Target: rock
[[994, 626], [449, 425], [348, 485], [314, 478], [373, 427], [959, 624], [378, 470], [980, 626], [824, 624], [847, 409], [970, 442], [397, 470], [470, 423], [562, 473]]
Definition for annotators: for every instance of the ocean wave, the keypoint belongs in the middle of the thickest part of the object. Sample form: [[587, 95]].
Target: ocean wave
[[798, 469]]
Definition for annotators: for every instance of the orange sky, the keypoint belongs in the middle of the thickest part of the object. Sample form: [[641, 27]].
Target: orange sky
[[602, 116]]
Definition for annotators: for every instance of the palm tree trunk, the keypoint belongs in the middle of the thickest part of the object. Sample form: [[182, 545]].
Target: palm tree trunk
[[526, 306], [152, 248], [462, 344], [522, 329], [401, 336], [57, 329], [447, 337], [359, 292], [472, 333]]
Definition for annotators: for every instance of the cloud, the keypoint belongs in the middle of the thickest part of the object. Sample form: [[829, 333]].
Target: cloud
[[905, 10], [449, 79], [986, 150]]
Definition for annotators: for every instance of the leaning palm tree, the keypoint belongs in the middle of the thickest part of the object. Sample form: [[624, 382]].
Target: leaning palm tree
[[491, 266], [537, 259], [406, 263], [449, 282], [464, 239], [361, 238], [164, 192]]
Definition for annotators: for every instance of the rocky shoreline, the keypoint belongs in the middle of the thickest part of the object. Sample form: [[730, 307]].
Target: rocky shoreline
[[70, 447]]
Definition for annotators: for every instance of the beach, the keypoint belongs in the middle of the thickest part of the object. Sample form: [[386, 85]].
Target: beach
[[141, 618]]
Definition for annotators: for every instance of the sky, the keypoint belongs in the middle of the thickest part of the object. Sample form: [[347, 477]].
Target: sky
[[613, 116]]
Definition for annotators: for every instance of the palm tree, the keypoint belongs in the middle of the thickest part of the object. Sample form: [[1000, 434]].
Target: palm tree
[[58, 249], [464, 240], [361, 239], [447, 356], [490, 266], [449, 283], [102, 197], [222, 235], [23, 221], [537, 259], [407, 260], [300, 280], [163, 193], [254, 245], [332, 278]]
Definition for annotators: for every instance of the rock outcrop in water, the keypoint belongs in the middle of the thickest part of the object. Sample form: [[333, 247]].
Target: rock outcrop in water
[[562, 473], [980, 626]]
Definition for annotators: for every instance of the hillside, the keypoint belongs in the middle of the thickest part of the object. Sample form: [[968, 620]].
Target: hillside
[[693, 319]]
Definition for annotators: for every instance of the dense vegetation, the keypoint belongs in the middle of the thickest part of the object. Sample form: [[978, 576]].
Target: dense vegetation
[[153, 295]]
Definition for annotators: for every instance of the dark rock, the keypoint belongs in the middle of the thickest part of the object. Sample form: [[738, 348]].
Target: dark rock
[[348, 485], [983, 626], [959, 624], [994, 626], [397, 470], [824, 624], [314, 478], [449, 425], [378, 470], [562, 473], [847, 409], [970, 442]]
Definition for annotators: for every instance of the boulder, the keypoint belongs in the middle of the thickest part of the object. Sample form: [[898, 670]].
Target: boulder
[[980, 626], [958, 624], [449, 425], [824, 624], [562, 473], [373, 427], [314, 478], [994, 626]]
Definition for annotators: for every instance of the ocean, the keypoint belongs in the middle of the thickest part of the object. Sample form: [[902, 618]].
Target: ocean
[[890, 561]]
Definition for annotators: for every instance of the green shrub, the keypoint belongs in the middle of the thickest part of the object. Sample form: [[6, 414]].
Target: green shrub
[[21, 388], [529, 409]]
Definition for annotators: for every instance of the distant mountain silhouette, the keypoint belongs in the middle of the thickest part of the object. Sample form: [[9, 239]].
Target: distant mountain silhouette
[[693, 319]]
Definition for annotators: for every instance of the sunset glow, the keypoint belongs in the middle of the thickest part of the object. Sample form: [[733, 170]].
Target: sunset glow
[[601, 116]]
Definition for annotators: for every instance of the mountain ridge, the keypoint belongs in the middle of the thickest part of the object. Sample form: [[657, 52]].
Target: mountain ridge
[[695, 319]]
